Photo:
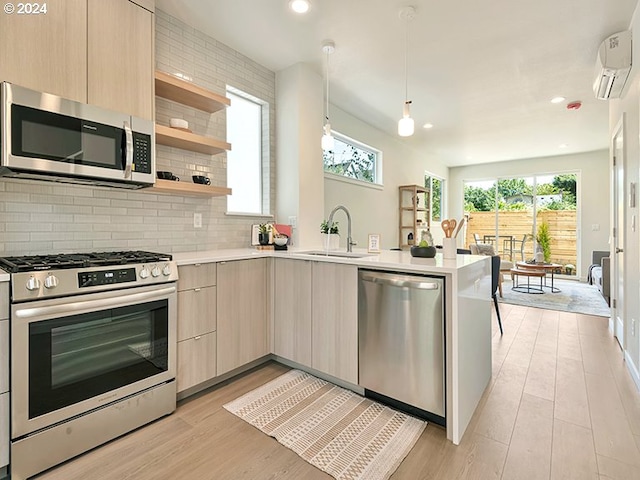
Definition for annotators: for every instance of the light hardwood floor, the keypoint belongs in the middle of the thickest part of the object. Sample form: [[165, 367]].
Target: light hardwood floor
[[561, 405]]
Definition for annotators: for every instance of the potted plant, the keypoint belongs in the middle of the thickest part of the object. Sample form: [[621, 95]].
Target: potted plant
[[331, 236], [543, 240], [263, 233]]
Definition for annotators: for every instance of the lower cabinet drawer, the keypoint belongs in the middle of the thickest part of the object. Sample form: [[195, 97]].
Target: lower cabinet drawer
[[196, 360], [4, 429]]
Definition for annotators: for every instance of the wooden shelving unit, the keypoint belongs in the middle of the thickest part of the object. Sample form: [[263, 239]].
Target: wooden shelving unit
[[187, 188], [414, 214], [181, 91], [173, 137]]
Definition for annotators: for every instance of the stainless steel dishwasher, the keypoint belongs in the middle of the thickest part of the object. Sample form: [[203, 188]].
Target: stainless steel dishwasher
[[401, 341]]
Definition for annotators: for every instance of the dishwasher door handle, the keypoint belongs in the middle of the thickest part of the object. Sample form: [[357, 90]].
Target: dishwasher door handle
[[415, 284]]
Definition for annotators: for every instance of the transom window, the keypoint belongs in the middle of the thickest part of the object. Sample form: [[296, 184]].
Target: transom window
[[352, 159]]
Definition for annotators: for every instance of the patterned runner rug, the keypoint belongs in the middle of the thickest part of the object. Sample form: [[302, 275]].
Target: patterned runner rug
[[343, 434]]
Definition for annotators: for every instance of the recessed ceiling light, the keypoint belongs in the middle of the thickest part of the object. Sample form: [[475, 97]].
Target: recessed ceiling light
[[299, 6], [428, 125], [563, 145], [557, 99]]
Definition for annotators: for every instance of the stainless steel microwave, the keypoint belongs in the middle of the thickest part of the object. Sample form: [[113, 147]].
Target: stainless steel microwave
[[47, 137]]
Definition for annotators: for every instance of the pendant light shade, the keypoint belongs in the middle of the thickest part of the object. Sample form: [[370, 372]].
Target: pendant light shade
[[406, 125], [327, 143]]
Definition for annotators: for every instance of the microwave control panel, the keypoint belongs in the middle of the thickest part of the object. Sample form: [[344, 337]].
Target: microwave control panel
[[141, 152]]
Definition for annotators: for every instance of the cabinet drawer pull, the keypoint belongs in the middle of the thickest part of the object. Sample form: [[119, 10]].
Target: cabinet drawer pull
[[197, 264], [196, 289], [197, 337]]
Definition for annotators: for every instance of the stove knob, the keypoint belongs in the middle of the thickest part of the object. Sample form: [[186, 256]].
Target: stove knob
[[155, 271], [33, 284], [51, 281], [166, 271], [144, 273]]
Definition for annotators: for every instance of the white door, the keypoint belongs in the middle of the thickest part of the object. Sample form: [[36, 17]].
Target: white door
[[617, 250]]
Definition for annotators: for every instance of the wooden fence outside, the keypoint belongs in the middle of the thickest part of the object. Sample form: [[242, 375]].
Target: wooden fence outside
[[514, 225]]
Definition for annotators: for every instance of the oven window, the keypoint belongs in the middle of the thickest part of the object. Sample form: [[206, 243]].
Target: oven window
[[82, 356]]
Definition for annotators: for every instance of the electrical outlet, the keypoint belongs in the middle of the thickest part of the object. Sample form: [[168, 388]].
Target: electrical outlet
[[197, 220], [595, 227], [293, 221]]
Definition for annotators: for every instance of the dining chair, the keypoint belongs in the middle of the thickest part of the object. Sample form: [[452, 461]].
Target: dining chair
[[495, 279], [476, 238], [522, 243]]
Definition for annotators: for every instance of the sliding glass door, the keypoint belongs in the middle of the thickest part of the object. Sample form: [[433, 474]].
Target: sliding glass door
[[517, 215]]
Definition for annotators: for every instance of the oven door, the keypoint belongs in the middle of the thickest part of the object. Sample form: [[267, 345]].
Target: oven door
[[72, 355]]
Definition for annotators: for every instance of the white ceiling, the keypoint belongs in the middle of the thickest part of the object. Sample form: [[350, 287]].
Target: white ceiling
[[482, 71]]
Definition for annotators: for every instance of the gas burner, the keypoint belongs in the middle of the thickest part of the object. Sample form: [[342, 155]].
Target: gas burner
[[78, 260]]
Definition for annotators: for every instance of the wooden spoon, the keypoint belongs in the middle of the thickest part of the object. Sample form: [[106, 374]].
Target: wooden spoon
[[445, 227], [459, 227], [452, 226]]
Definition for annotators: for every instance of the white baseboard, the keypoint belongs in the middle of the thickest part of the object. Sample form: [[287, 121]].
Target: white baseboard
[[633, 369]]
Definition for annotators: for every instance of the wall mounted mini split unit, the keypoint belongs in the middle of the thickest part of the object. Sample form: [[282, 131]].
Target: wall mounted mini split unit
[[613, 65]]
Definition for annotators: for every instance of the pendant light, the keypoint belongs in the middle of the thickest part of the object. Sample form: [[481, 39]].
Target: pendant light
[[328, 47], [406, 124]]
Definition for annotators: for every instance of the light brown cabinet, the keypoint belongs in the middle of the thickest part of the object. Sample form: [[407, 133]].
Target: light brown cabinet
[[242, 313], [292, 317], [92, 51], [196, 325], [334, 320], [47, 52], [120, 57]]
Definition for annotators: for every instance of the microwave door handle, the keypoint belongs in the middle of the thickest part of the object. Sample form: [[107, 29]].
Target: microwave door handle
[[128, 153]]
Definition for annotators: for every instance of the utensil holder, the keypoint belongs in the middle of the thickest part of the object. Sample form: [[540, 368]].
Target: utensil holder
[[450, 248]]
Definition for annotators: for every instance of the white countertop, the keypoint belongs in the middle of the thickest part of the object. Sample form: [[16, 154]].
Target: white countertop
[[4, 277], [388, 259]]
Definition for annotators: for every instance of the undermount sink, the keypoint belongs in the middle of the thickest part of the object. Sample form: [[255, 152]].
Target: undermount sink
[[323, 253]]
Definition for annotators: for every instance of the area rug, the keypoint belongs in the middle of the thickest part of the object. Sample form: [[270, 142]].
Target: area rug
[[574, 296], [341, 433]]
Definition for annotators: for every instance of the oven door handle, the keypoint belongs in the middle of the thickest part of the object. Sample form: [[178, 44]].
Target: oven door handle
[[87, 305]]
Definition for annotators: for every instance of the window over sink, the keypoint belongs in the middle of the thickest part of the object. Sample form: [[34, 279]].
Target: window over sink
[[352, 159]]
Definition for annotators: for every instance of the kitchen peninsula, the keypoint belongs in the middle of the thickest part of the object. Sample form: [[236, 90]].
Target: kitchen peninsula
[[322, 290]]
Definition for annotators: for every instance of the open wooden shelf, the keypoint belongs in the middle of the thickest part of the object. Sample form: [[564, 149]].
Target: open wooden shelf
[[173, 137], [187, 188], [181, 91]]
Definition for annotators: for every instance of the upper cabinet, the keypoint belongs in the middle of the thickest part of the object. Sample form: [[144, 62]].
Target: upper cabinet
[[120, 57], [89, 51], [47, 51]]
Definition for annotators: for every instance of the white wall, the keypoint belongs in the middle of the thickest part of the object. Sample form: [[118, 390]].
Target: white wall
[[628, 105], [375, 209], [593, 192]]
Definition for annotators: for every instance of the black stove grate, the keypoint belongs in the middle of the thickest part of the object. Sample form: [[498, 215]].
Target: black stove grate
[[33, 263]]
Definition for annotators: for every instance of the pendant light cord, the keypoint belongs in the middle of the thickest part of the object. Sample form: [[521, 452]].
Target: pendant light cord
[[327, 79], [406, 60]]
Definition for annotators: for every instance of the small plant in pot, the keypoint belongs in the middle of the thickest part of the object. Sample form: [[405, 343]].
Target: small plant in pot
[[331, 232], [263, 234]]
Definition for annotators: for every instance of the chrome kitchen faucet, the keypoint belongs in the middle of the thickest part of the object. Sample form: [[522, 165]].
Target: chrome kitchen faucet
[[350, 242]]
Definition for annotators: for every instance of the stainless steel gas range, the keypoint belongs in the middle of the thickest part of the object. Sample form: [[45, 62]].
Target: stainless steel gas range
[[93, 351]]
